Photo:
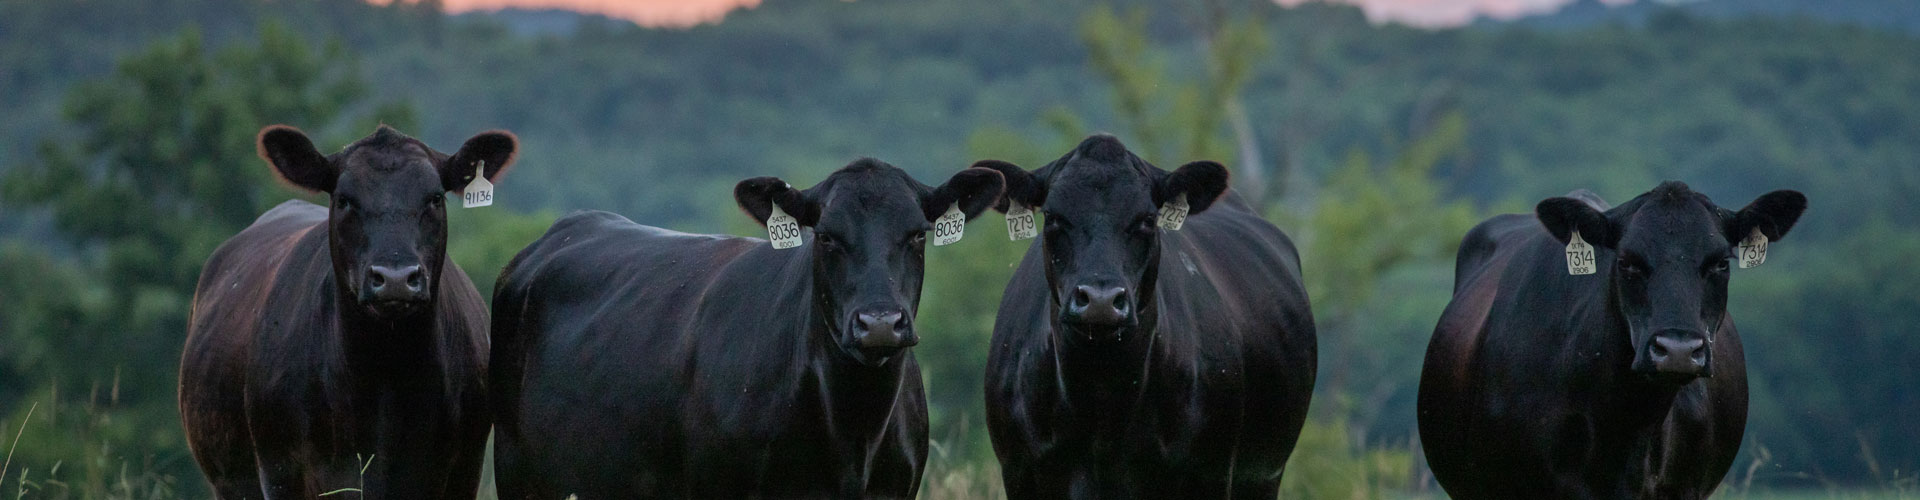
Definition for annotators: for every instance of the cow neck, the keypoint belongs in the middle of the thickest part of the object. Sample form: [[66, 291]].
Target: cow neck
[[1108, 382], [855, 398], [375, 346], [1633, 405]]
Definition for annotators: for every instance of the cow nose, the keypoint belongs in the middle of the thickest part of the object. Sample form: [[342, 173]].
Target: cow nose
[[1678, 352], [1105, 306], [405, 284], [883, 330]]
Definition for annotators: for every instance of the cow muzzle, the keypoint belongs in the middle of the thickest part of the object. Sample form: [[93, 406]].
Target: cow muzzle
[[1100, 313], [394, 291], [878, 335], [1677, 354]]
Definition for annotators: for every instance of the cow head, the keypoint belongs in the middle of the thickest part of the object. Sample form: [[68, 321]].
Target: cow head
[[387, 225], [869, 222], [1101, 235], [1670, 251]]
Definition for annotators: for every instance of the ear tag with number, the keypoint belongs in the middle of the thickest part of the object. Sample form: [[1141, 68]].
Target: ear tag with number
[[782, 229], [1173, 213], [1020, 222], [1753, 250], [479, 193], [1579, 256], [950, 226]]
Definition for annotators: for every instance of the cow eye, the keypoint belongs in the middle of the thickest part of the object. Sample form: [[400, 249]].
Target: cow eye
[[917, 239], [1056, 223], [437, 201], [827, 242], [1147, 225], [1631, 267], [1718, 266]]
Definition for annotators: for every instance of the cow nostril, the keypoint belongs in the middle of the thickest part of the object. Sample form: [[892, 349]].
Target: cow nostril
[[1658, 351], [1699, 356], [374, 278], [1082, 295], [416, 279]]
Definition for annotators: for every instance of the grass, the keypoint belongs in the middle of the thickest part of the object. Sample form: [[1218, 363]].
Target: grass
[[1325, 466]]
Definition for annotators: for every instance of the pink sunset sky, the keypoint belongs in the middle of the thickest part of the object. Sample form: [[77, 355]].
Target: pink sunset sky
[[1429, 13]]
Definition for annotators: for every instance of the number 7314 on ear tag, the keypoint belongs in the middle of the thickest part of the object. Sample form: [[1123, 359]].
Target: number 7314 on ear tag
[[1579, 256], [479, 193]]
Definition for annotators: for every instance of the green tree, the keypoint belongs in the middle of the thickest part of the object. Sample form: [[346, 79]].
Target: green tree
[[163, 171]]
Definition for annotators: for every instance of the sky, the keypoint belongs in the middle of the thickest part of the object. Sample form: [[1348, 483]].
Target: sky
[[1425, 13]]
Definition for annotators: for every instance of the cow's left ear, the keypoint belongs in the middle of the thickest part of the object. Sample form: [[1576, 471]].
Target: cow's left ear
[[1772, 213], [758, 195], [975, 189], [498, 148], [1202, 182], [1026, 188]]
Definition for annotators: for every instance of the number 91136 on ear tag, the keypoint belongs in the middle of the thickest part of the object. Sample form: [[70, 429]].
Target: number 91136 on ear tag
[[479, 193], [948, 229], [1579, 256], [782, 229], [1753, 250]]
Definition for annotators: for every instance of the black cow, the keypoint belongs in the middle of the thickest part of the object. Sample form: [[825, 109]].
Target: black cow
[[325, 342], [1626, 383], [1135, 361], [638, 362]]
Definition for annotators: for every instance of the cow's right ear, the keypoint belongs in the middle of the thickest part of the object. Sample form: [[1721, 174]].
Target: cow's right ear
[[1027, 188], [295, 160], [1562, 216], [757, 196]]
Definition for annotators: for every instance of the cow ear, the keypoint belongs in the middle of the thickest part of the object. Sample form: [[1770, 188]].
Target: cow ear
[[975, 190], [1772, 213], [1562, 216], [1202, 182], [1023, 187], [757, 196], [498, 148], [295, 160]]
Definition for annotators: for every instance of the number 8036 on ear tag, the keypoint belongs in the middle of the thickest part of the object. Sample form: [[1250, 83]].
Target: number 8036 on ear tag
[[782, 229], [948, 229]]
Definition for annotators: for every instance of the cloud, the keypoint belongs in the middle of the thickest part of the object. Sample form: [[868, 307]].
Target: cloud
[[1448, 13], [644, 12]]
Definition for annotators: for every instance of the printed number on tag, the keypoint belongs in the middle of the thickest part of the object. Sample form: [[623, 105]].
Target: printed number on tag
[[479, 193], [1579, 256], [1020, 222], [1753, 250], [782, 229], [1173, 213], [950, 226]]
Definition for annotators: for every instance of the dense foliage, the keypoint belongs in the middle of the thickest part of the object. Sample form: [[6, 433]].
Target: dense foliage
[[127, 155]]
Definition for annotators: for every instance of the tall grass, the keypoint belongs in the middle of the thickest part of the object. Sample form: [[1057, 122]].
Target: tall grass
[[1326, 465]]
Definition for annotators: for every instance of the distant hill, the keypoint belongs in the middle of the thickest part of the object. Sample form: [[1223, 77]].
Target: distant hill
[[1902, 15], [542, 22]]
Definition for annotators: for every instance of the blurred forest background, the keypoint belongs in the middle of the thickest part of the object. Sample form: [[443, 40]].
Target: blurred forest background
[[126, 156]]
